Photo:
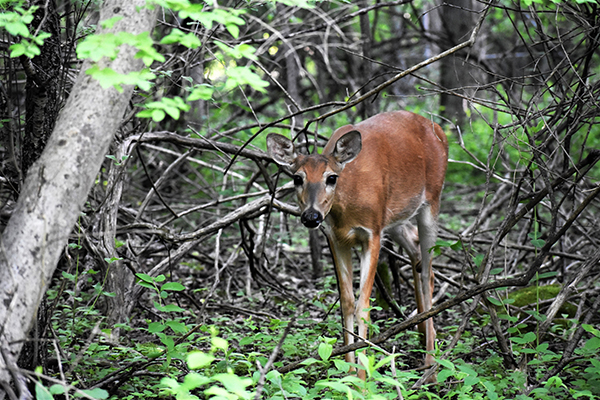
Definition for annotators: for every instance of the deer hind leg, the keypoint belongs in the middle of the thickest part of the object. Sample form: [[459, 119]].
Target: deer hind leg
[[407, 236], [427, 234]]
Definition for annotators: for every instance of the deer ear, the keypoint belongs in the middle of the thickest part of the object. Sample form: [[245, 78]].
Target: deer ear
[[281, 149], [347, 147]]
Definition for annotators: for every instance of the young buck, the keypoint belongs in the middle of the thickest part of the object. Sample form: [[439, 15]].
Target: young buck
[[371, 179]]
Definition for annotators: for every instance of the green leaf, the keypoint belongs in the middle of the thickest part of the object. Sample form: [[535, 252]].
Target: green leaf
[[168, 307], [471, 380], [176, 326], [198, 359], [309, 361], [194, 380], [444, 374], [592, 344], [68, 276], [174, 286], [40, 38], [538, 243], [58, 389], [108, 77], [591, 329], [233, 29], [166, 340], [25, 48], [97, 46], [527, 338], [325, 350], [41, 393], [494, 301], [233, 383], [17, 50], [155, 327], [447, 364], [96, 393], [144, 277], [240, 76], [201, 92], [219, 343], [17, 27], [188, 40], [340, 387]]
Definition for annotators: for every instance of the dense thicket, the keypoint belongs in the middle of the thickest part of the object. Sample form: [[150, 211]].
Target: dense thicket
[[188, 195]]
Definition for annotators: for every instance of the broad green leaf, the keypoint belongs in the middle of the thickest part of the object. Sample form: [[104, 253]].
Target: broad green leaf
[[219, 343], [494, 301], [527, 338], [198, 359], [25, 48], [97, 46], [144, 277], [444, 374], [240, 76], [194, 380], [168, 307], [233, 383], [201, 92], [325, 350], [155, 327], [174, 286], [188, 40], [96, 393], [17, 28], [591, 329], [309, 361], [57, 389], [41, 393]]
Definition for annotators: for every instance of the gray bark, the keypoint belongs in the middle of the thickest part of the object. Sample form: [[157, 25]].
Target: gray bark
[[57, 186], [457, 22]]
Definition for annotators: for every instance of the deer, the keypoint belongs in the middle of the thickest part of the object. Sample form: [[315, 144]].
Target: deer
[[371, 179]]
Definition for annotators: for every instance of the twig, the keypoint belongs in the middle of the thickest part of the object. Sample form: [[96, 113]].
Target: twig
[[263, 371]]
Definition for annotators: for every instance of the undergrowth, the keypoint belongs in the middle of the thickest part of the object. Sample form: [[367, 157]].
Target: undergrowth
[[174, 353]]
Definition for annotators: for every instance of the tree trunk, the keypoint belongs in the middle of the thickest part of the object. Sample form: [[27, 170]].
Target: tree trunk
[[456, 23], [43, 71], [368, 108], [57, 186]]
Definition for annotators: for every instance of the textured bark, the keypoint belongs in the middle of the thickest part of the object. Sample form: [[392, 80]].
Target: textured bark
[[457, 22], [57, 185], [42, 87]]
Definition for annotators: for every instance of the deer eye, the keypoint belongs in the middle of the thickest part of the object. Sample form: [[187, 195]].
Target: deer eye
[[298, 180], [331, 180]]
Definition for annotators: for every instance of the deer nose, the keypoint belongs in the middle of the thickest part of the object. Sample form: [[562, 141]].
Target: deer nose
[[311, 218]]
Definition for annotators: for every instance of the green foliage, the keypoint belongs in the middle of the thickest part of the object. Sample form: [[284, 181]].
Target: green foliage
[[15, 20], [224, 360], [157, 110], [97, 47]]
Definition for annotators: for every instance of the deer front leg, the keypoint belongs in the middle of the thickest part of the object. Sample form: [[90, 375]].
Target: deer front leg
[[342, 259], [368, 269]]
